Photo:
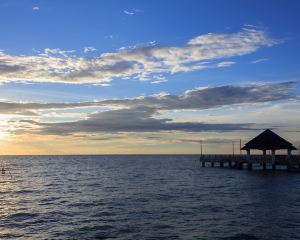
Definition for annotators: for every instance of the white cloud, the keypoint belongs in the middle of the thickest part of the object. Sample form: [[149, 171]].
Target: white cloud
[[128, 12], [36, 8], [260, 60], [143, 63], [132, 11], [89, 49], [225, 64]]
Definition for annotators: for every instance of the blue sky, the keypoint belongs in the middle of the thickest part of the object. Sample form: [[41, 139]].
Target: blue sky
[[84, 51]]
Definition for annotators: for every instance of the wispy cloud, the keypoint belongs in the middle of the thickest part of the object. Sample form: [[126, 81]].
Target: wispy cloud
[[132, 11], [35, 8], [89, 49], [201, 52], [128, 12], [260, 60]]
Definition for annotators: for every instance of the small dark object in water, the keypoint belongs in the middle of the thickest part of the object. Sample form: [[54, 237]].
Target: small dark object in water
[[3, 171]]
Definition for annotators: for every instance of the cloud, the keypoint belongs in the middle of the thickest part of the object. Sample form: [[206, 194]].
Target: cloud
[[89, 49], [260, 60], [198, 99], [225, 64], [132, 11], [128, 12], [143, 114], [138, 119], [205, 98], [138, 62], [36, 8]]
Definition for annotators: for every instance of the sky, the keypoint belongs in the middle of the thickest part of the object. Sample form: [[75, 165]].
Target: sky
[[147, 77]]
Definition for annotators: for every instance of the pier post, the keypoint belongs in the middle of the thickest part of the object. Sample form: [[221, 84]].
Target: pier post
[[249, 165], [229, 164], [264, 160], [203, 164], [221, 164], [273, 159], [212, 164], [264, 165], [240, 165], [289, 151]]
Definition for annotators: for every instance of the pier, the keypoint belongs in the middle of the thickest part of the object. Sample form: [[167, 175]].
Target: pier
[[255, 162], [266, 141]]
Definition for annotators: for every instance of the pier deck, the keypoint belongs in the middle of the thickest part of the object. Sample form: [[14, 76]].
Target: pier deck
[[259, 161]]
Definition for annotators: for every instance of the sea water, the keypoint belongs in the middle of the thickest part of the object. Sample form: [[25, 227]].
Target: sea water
[[144, 197]]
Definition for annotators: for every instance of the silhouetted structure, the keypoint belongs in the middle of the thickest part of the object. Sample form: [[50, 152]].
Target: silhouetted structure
[[269, 140]]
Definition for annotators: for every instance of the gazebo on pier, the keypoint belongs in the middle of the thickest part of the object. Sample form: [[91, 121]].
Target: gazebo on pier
[[268, 140]]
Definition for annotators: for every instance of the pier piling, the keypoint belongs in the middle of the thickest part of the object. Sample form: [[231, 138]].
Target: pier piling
[[264, 165], [249, 166]]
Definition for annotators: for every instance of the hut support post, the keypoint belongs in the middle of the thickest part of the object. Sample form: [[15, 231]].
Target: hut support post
[[273, 159], [248, 155], [289, 153], [264, 160]]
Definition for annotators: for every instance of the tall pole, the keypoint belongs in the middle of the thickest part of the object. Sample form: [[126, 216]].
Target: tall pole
[[233, 148], [240, 146]]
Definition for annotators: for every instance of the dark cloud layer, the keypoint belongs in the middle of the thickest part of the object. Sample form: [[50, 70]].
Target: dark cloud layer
[[142, 114], [214, 97], [138, 119], [194, 99]]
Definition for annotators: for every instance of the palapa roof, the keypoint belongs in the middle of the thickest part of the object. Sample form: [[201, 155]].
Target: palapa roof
[[268, 140]]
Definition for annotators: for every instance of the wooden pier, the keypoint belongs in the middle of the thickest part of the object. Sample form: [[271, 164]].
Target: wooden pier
[[290, 163], [266, 141]]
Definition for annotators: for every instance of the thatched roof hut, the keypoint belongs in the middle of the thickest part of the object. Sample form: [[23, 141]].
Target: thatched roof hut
[[268, 140]]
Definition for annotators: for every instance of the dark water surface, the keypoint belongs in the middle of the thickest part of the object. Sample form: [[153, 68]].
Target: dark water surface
[[144, 197]]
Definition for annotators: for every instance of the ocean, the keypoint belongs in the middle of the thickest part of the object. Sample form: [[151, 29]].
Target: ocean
[[144, 197]]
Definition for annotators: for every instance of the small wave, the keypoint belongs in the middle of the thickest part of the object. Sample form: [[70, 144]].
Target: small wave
[[163, 226], [22, 216], [96, 228], [241, 236], [9, 236], [25, 191], [104, 214]]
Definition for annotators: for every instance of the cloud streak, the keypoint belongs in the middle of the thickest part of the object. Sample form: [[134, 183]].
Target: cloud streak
[[198, 99], [202, 52]]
